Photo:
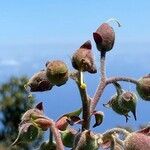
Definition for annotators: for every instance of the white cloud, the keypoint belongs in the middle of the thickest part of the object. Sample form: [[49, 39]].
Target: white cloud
[[9, 62]]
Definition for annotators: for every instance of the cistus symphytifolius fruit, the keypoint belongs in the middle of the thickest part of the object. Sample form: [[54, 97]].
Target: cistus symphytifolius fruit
[[57, 72], [104, 37], [39, 82], [83, 59], [123, 104], [137, 141], [143, 87]]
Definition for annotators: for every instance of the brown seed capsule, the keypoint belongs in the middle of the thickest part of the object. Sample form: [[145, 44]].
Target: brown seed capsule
[[143, 88], [83, 60], [57, 72], [104, 37], [137, 141], [39, 82]]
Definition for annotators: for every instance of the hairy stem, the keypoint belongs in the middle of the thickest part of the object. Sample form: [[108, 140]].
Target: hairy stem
[[85, 104], [126, 79], [57, 136], [101, 85]]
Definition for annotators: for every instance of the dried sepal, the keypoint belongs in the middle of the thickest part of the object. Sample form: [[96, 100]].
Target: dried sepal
[[129, 100], [39, 82], [99, 117], [83, 59], [69, 118]]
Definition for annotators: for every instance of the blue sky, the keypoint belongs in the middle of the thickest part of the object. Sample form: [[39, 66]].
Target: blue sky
[[34, 31]]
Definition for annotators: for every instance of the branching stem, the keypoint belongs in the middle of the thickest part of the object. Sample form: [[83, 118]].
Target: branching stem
[[126, 79], [104, 81]]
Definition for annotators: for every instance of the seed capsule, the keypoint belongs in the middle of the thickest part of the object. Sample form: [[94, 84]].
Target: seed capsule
[[114, 103], [143, 88], [123, 104], [137, 141], [57, 72], [39, 82], [83, 60], [104, 37]]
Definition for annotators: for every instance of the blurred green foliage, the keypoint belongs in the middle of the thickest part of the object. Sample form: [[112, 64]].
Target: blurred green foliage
[[14, 102]]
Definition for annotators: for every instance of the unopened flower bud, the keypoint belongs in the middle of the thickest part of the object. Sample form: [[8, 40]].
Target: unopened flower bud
[[57, 72], [39, 82], [137, 141], [104, 37], [83, 60], [99, 117], [143, 88]]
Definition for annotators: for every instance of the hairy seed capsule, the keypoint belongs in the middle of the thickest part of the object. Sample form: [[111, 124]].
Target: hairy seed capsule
[[57, 72], [39, 82], [83, 60], [114, 103], [137, 141], [104, 37], [143, 88]]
